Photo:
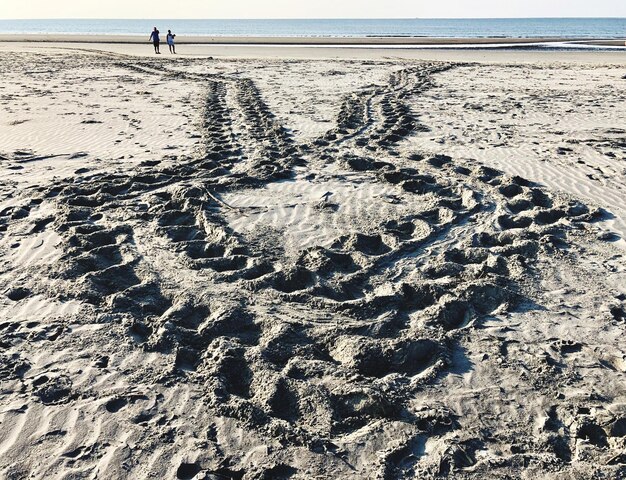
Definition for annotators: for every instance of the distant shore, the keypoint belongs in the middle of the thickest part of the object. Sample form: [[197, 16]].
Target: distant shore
[[313, 41]]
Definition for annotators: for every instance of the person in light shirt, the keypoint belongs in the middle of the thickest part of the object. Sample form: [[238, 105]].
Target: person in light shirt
[[170, 41]]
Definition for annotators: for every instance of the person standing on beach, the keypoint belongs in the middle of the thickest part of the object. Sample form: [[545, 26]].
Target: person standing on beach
[[154, 38], [170, 41]]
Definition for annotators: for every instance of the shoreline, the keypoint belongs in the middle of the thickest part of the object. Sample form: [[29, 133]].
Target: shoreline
[[308, 41], [522, 54]]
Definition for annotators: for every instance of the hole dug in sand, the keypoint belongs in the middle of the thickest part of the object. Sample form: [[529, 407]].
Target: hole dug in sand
[[115, 405], [453, 314], [293, 279], [381, 357], [18, 293], [187, 471], [373, 245]]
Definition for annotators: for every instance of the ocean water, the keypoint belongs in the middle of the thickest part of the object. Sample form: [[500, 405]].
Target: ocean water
[[471, 28]]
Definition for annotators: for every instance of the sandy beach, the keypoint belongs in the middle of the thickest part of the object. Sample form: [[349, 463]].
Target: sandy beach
[[401, 41], [271, 262]]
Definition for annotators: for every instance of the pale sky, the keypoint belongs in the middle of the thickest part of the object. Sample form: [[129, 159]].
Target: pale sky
[[309, 8]]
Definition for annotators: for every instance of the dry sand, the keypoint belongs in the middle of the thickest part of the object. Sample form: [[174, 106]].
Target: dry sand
[[364, 267]]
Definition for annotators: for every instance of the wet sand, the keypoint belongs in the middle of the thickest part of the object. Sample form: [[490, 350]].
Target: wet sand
[[355, 41]]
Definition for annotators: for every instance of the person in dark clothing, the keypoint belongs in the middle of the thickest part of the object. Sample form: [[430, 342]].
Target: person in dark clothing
[[154, 38]]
